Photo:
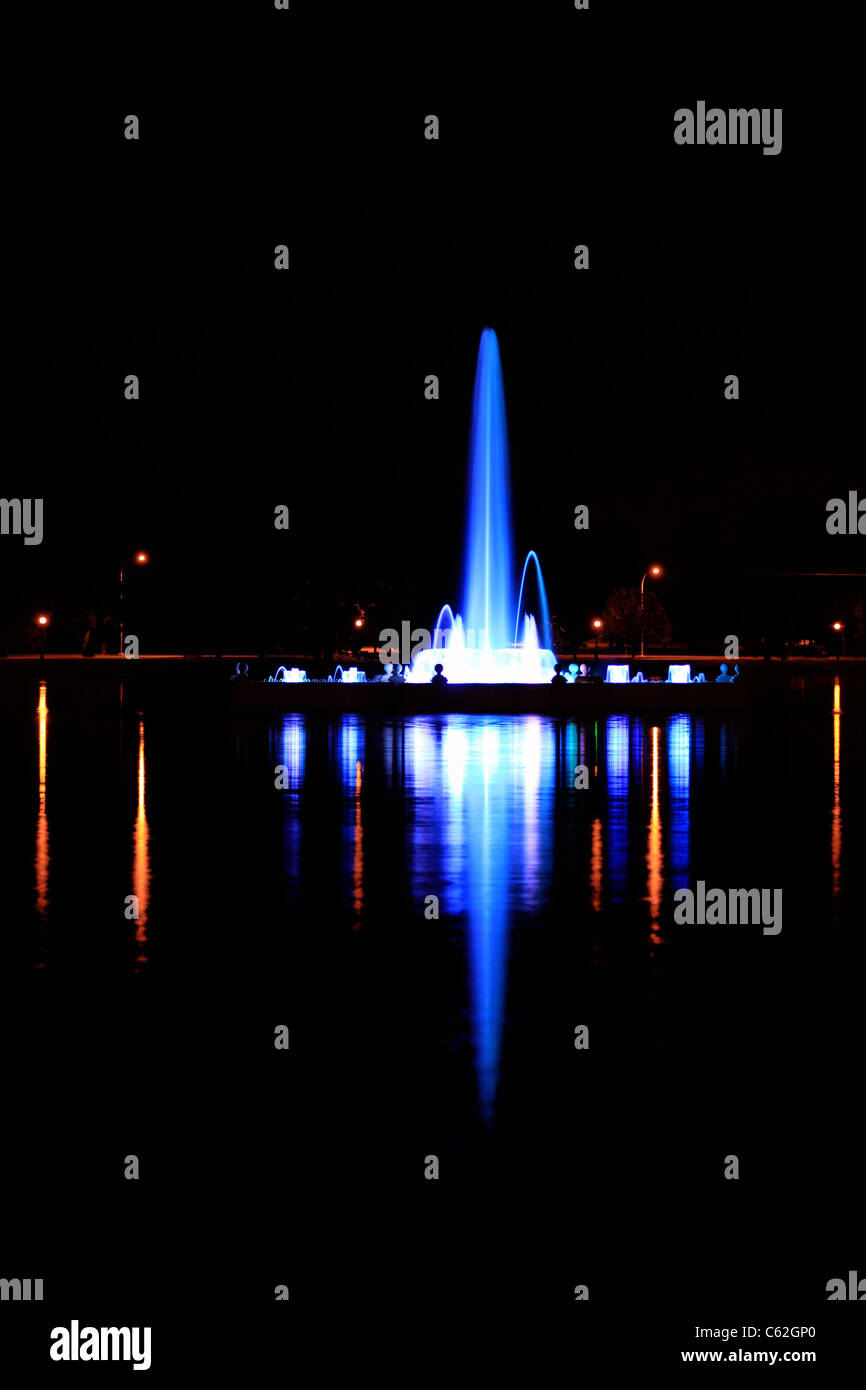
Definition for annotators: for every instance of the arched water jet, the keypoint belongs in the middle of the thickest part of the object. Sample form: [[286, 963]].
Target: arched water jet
[[438, 630], [546, 631]]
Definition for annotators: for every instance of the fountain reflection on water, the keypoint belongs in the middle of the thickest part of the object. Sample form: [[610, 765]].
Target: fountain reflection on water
[[483, 793]]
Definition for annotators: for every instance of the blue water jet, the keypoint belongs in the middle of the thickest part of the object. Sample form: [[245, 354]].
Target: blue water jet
[[482, 644], [545, 635], [488, 592]]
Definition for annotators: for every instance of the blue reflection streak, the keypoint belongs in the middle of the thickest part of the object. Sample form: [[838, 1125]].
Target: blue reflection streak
[[679, 740], [351, 738], [294, 749], [483, 790], [617, 795], [292, 754]]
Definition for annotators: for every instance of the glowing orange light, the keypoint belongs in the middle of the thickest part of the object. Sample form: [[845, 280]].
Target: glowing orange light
[[837, 627], [42, 620], [141, 558], [596, 622], [655, 569], [359, 622]]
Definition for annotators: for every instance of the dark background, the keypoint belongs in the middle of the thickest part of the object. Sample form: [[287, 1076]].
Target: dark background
[[306, 388]]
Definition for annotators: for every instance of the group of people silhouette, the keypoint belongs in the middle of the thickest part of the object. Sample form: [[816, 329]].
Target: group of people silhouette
[[576, 674], [393, 674]]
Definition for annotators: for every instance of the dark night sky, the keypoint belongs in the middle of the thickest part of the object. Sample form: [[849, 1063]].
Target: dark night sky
[[306, 387]]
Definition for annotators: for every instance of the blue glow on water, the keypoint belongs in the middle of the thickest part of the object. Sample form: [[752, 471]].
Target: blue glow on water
[[617, 795], [289, 747], [679, 741], [484, 793], [293, 740], [478, 804]]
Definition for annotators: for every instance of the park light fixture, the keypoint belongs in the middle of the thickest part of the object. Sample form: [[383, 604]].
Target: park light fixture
[[655, 571], [140, 557]]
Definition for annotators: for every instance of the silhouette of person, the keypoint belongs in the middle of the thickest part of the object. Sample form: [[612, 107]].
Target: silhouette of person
[[398, 678], [241, 672], [723, 673], [438, 678], [558, 678], [737, 673]]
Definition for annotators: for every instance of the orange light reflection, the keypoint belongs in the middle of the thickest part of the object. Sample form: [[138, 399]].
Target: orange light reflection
[[836, 820], [141, 856], [43, 857], [596, 864], [655, 876], [358, 859]]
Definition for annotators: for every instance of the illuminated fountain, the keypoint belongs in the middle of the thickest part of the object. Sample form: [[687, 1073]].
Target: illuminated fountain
[[491, 641]]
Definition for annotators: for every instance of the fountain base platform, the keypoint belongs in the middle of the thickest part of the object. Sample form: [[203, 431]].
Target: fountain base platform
[[385, 699]]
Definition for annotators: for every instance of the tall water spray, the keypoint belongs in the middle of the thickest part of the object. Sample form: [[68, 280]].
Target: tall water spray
[[488, 588], [491, 640]]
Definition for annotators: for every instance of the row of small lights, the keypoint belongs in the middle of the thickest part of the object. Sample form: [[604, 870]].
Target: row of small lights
[[655, 570]]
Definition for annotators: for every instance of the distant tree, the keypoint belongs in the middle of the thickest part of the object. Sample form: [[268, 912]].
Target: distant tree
[[622, 619]]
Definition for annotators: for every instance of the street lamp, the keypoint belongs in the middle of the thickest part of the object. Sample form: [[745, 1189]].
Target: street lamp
[[140, 557], [596, 622], [42, 624], [840, 627], [655, 571]]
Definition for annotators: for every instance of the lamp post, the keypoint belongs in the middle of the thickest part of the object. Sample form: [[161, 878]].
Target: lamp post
[[655, 571], [139, 558], [596, 622], [840, 627], [42, 624]]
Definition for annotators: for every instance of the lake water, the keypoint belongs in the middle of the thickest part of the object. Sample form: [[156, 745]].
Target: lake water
[[433, 908]]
